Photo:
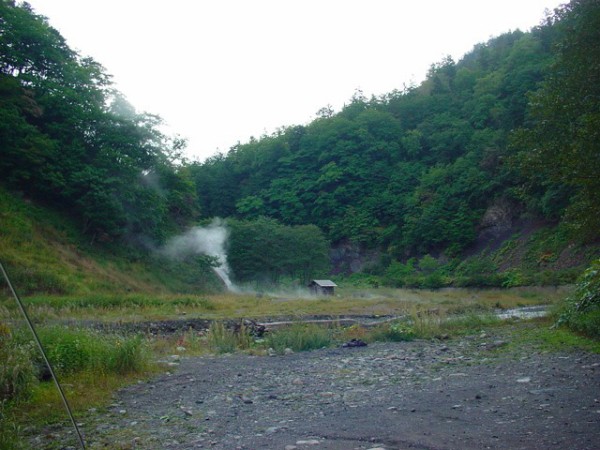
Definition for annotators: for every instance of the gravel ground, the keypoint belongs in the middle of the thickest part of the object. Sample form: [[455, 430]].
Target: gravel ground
[[467, 393]]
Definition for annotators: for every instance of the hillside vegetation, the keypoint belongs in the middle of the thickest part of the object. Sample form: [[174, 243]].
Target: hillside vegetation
[[483, 174], [44, 252]]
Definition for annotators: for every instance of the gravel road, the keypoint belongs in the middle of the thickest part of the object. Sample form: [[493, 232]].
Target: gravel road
[[466, 393]]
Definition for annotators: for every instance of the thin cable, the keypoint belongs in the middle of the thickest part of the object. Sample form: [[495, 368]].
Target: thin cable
[[39, 343]]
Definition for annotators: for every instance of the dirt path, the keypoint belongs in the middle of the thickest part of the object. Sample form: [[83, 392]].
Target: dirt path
[[469, 393]]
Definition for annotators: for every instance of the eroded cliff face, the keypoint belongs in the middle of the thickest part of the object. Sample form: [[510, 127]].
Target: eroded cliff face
[[508, 235], [348, 257]]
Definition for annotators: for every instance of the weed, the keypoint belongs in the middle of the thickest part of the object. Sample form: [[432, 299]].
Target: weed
[[392, 332], [581, 312], [300, 337], [75, 350], [223, 340], [17, 371]]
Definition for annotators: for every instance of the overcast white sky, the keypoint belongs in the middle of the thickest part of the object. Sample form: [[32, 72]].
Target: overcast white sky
[[221, 71]]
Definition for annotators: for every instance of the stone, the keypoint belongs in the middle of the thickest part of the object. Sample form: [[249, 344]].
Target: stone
[[308, 442]]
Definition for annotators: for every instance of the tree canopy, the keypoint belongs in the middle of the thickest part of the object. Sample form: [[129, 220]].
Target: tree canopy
[[71, 141], [514, 124]]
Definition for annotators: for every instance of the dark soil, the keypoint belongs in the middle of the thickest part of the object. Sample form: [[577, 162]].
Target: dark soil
[[476, 392]]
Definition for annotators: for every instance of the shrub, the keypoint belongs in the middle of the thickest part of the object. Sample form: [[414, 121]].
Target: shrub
[[397, 273], [581, 311]]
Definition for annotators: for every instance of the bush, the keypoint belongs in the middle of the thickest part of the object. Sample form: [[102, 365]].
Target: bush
[[581, 311]]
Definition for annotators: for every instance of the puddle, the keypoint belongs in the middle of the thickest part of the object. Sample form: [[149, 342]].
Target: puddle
[[525, 312]]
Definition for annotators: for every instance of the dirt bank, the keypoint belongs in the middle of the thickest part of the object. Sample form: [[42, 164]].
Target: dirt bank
[[477, 392]]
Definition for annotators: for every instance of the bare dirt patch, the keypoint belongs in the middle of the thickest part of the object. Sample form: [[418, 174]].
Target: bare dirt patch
[[475, 392]]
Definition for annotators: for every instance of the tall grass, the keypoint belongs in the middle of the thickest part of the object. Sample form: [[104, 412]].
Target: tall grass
[[300, 337], [224, 340], [17, 371], [70, 351], [75, 350]]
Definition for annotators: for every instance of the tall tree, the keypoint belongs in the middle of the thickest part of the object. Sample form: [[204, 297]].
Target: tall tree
[[562, 146]]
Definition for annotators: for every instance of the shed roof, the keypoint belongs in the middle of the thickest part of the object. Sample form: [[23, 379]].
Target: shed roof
[[324, 283]]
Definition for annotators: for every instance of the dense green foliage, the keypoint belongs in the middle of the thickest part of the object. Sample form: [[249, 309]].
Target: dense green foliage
[[507, 135], [561, 150], [264, 250], [72, 142], [414, 172], [581, 312]]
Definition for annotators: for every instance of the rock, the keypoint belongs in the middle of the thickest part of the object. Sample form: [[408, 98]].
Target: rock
[[288, 351], [524, 380], [187, 411], [308, 442], [355, 343]]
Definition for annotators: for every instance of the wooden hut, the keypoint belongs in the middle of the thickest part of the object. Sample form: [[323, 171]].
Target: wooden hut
[[322, 287]]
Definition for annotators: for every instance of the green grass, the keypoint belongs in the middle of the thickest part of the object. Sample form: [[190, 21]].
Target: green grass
[[540, 334], [44, 253], [220, 339], [300, 337]]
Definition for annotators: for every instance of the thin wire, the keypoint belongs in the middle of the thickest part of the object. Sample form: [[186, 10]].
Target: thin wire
[[39, 343]]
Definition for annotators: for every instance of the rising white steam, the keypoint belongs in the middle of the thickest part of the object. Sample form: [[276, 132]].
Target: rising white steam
[[209, 240]]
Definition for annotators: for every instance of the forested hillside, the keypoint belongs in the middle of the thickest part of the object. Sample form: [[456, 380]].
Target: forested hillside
[[505, 137], [504, 140], [73, 143]]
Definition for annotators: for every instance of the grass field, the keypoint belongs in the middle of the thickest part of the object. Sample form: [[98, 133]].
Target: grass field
[[347, 301]]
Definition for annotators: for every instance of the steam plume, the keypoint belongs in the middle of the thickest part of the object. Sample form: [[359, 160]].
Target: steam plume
[[209, 240]]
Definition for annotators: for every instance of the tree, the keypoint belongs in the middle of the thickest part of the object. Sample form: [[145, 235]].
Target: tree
[[562, 145]]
